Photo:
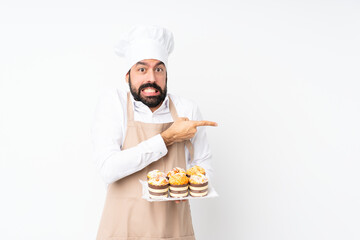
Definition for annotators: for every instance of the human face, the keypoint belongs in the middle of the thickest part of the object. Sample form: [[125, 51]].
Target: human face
[[147, 81]]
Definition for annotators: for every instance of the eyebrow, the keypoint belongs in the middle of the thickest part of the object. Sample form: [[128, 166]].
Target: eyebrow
[[143, 63]]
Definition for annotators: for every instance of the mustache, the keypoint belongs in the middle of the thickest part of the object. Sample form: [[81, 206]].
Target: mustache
[[153, 85]]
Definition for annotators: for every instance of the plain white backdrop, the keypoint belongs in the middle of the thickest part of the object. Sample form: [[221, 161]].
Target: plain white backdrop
[[280, 77]]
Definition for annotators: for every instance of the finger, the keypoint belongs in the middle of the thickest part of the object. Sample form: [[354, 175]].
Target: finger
[[205, 123], [177, 201]]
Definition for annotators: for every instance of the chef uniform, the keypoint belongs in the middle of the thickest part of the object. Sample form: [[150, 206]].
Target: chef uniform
[[126, 215]]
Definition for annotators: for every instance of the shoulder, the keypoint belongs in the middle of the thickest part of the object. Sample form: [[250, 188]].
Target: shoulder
[[185, 107]]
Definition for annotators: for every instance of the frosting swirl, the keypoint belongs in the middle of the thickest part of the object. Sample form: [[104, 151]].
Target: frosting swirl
[[155, 173], [158, 181], [194, 170], [179, 179], [198, 178], [175, 170]]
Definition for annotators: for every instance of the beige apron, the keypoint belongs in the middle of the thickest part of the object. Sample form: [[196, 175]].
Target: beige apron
[[128, 216]]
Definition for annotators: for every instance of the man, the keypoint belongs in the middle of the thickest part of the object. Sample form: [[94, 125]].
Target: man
[[142, 131]]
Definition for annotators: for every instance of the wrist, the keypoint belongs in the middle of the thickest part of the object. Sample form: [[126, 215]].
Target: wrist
[[167, 139]]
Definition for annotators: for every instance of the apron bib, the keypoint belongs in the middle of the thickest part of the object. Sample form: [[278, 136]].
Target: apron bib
[[128, 216]]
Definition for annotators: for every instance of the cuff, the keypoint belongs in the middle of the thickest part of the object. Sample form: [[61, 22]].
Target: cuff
[[156, 145]]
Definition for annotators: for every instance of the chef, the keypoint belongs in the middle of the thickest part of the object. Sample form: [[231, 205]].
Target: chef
[[142, 130]]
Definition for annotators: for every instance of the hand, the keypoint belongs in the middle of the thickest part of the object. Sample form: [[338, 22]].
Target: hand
[[183, 129]]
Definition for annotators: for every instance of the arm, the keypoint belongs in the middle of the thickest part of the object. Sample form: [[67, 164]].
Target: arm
[[108, 133]]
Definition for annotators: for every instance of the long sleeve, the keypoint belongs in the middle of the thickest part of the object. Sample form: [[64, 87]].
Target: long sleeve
[[108, 133]]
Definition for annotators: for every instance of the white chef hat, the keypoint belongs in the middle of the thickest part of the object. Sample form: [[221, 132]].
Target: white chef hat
[[145, 42]]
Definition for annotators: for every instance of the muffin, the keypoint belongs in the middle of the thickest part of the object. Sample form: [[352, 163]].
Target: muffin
[[155, 173], [198, 185], [174, 171], [158, 187], [195, 170], [179, 185]]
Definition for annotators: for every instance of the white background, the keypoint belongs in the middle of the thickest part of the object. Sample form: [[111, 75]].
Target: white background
[[280, 77]]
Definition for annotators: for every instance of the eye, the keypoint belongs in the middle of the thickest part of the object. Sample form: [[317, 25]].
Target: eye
[[141, 69], [159, 69]]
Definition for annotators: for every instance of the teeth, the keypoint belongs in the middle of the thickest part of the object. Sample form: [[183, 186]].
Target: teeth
[[149, 90]]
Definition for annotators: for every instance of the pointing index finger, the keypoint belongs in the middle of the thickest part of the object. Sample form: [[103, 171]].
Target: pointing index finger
[[205, 123]]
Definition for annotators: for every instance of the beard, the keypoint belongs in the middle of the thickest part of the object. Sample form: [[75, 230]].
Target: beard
[[150, 101]]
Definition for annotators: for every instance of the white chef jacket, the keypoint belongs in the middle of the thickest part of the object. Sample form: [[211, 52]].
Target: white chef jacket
[[109, 129]]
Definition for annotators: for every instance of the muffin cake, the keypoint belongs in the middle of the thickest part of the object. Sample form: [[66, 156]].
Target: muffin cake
[[179, 185], [158, 187], [198, 185]]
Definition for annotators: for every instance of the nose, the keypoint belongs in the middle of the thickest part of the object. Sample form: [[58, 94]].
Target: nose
[[151, 76]]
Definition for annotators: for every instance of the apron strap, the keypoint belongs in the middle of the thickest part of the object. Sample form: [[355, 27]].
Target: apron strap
[[174, 115], [173, 111], [130, 110], [190, 148]]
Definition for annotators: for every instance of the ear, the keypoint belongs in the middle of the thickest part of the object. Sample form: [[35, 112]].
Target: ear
[[127, 77]]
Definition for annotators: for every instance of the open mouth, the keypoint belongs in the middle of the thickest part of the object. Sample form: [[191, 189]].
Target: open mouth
[[149, 91]]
